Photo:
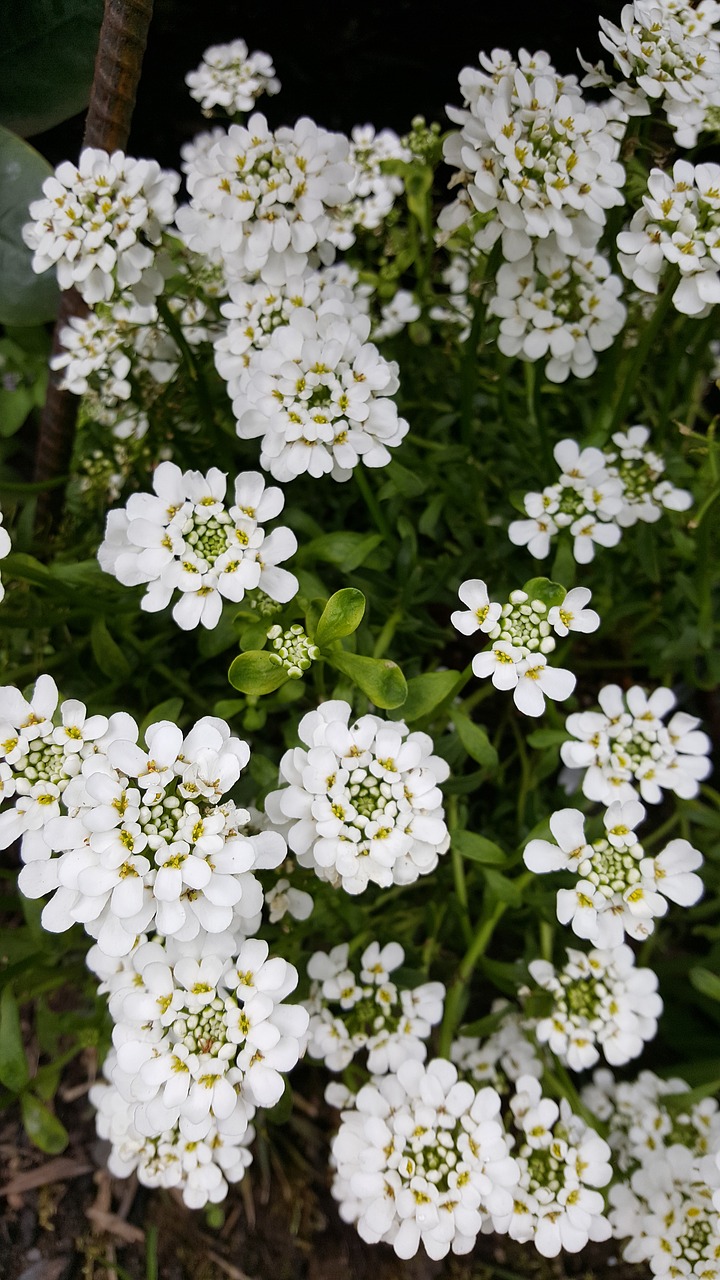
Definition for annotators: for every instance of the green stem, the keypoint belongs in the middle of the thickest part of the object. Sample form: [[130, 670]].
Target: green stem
[[192, 365], [458, 868], [455, 1000], [372, 503], [384, 640], [642, 350], [536, 418], [469, 365]]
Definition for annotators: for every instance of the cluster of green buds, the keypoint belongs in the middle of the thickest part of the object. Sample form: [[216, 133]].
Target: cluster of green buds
[[293, 650]]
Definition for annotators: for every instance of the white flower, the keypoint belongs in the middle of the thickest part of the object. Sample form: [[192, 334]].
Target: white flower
[[619, 890], [503, 1057], [422, 1159], [283, 899], [640, 469], [558, 308], [587, 499], [572, 615], [261, 201], [600, 1004], [347, 1018], [402, 310], [149, 837], [363, 800], [562, 1162], [625, 748], [231, 78], [533, 155], [667, 52], [677, 224], [318, 396], [373, 191], [200, 1168], [99, 223], [186, 539], [521, 634]]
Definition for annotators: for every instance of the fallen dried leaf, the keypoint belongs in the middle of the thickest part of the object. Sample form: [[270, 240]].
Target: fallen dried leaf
[[60, 1170], [117, 1227]]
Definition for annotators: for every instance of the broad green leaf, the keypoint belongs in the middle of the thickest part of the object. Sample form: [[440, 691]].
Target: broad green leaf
[[14, 1073], [168, 710], [475, 740], [107, 652], [47, 61], [255, 672], [706, 982], [226, 708], [25, 298], [426, 692], [41, 1126], [381, 681], [550, 593], [342, 615], [478, 848], [14, 409], [346, 550], [254, 636]]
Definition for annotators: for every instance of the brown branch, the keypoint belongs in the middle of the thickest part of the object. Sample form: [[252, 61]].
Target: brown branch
[[123, 36]]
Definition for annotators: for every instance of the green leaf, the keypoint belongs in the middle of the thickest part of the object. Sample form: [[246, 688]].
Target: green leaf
[[107, 652], [254, 636], [346, 550], [342, 615], [479, 849], [226, 708], [25, 298], [483, 1027], [475, 740], [503, 889], [47, 61], [551, 593], [14, 1073], [41, 1126], [540, 738], [707, 983], [426, 692], [14, 409], [217, 639], [381, 681], [255, 672], [168, 710]]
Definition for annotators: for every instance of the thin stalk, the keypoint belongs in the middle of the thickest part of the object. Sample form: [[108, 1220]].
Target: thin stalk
[[372, 503], [195, 372], [458, 868], [469, 365], [642, 351], [384, 640]]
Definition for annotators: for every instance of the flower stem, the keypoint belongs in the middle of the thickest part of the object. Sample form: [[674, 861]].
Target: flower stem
[[372, 503], [384, 640], [642, 351], [195, 373], [458, 868]]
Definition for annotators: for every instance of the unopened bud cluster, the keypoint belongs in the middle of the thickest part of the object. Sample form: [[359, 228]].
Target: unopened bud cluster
[[294, 650]]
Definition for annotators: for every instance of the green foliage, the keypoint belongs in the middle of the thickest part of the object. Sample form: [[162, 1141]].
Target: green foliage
[[25, 298], [342, 615], [49, 44]]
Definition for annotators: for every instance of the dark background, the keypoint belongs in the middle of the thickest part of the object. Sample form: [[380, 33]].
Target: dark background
[[340, 63]]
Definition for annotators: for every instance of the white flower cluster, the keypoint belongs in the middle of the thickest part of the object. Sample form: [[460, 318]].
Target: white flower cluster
[[200, 1167], [202, 1034], [626, 749], [457, 306], [186, 539], [231, 78], [373, 191], [619, 889], [600, 1004], [145, 838], [395, 315], [558, 308], [500, 1059], [5, 549], [562, 1163], [521, 632], [256, 309], [100, 223], [422, 1159], [599, 493], [349, 1015], [667, 50], [678, 224], [361, 801], [260, 201], [667, 1208], [534, 157], [318, 396]]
